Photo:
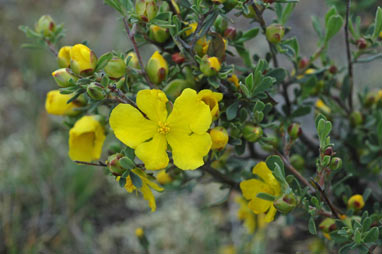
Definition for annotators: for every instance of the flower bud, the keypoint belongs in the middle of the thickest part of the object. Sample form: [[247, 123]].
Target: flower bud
[[269, 1], [210, 66], [63, 57], [230, 33], [133, 62], [221, 24], [139, 232], [328, 225], [297, 161], [322, 107], [175, 88], [45, 25], [114, 165], [335, 163], [146, 9], [252, 133], [303, 63], [95, 91], [286, 203], [329, 151], [370, 99], [219, 137], [82, 60], [275, 33], [56, 103], [356, 202], [201, 46], [115, 68], [157, 68], [228, 5], [294, 130], [63, 77], [163, 177], [361, 43], [234, 80], [178, 58], [356, 118], [158, 34], [333, 69]]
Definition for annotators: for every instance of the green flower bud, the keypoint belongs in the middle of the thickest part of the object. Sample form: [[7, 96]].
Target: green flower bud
[[157, 68], [115, 68], [146, 9], [45, 25], [133, 62], [221, 24], [158, 34], [175, 87], [63, 76], [356, 118], [210, 66], [275, 33], [286, 203], [252, 133], [229, 5], [294, 130], [121, 83], [95, 91], [328, 225], [370, 100], [297, 161], [335, 163], [114, 165]]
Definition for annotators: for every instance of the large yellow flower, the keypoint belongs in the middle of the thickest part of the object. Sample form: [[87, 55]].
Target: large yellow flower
[[212, 100], [267, 184], [86, 139], [185, 129], [56, 103], [145, 189]]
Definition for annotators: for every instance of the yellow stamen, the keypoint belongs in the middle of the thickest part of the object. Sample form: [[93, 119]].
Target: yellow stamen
[[163, 128]]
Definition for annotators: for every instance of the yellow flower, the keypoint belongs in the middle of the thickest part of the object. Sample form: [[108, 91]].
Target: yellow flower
[[356, 202], [322, 107], [86, 139], [145, 189], [252, 187], [219, 137], [185, 129], [234, 80], [210, 66], [63, 57], [83, 60], [251, 221], [139, 232], [227, 249], [163, 177], [157, 68], [212, 100], [191, 29], [56, 103]]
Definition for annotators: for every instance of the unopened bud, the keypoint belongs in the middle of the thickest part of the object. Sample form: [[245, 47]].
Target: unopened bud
[[175, 88], [370, 99], [210, 66], [356, 202], [252, 133], [83, 60], [158, 34], [229, 5], [133, 62], [139, 232], [329, 151], [63, 57], [221, 24], [45, 25], [157, 68], [303, 63], [286, 203], [230, 33], [219, 137], [146, 9], [361, 43], [328, 225], [163, 177], [113, 163], [275, 33], [63, 77], [95, 91], [297, 161], [356, 118], [294, 130], [335, 163], [333, 69], [178, 58], [115, 68]]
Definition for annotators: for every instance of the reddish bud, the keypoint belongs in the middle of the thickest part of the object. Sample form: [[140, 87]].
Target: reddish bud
[[303, 63], [361, 43], [329, 151], [230, 33], [178, 58], [333, 69]]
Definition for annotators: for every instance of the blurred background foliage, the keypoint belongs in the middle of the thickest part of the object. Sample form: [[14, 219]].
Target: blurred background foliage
[[48, 204]]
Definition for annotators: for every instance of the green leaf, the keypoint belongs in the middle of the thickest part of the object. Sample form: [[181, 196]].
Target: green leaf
[[357, 236], [329, 14], [346, 248], [127, 163], [372, 235], [249, 82], [129, 152], [287, 12], [122, 182], [301, 111], [231, 111], [265, 196], [312, 226], [103, 60], [317, 27], [259, 106], [245, 90], [135, 179], [334, 25], [278, 73], [248, 35], [318, 118], [377, 23], [276, 165]]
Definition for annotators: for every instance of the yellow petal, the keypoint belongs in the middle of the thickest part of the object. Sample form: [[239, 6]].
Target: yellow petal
[[250, 188], [130, 126], [148, 195], [212, 100], [270, 214], [262, 170], [153, 153], [189, 114], [188, 150], [146, 179], [258, 205], [153, 104], [86, 139], [56, 103]]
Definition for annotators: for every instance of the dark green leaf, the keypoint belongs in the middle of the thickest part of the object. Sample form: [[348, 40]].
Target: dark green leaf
[[135, 179], [265, 196], [312, 226], [127, 163], [231, 111]]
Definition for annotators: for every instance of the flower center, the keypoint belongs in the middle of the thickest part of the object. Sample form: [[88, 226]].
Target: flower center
[[163, 128]]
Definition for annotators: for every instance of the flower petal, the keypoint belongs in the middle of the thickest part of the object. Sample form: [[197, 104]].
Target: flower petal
[[188, 150], [153, 104], [250, 188], [130, 126], [258, 205], [153, 153], [189, 114], [149, 196], [262, 170], [270, 214]]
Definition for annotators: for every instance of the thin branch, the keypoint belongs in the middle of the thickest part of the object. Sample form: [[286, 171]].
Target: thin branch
[[326, 199], [348, 54], [220, 177], [99, 164], [130, 34], [51, 47]]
